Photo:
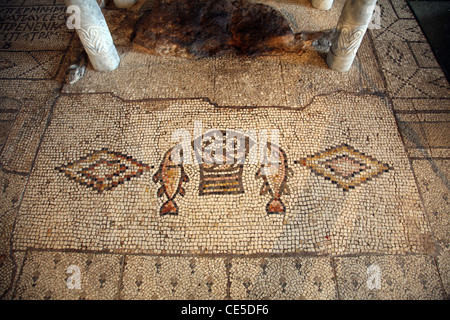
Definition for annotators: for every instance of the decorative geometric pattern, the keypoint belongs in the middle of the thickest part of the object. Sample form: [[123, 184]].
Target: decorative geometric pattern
[[6, 64], [172, 278], [344, 166], [35, 65], [46, 276], [103, 170], [406, 58], [395, 54], [399, 30], [424, 55]]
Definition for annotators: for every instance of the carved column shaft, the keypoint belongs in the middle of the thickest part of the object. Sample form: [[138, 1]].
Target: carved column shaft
[[322, 4], [95, 36], [350, 30]]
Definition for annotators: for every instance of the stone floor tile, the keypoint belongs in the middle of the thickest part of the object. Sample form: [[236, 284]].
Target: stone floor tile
[[401, 30], [403, 105], [421, 105], [5, 126], [54, 276], [424, 55], [36, 99], [153, 77], [439, 153], [180, 78], [311, 77], [435, 116], [402, 9], [437, 133], [7, 219], [369, 68], [297, 278], [432, 104], [12, 187], [413, 134], [243, 82], [419, 153], [9, 272], [8, 267], [388, 278], [9, 106], [174, 278], [42, 2], [433, 181], [387, 18], [443, 264], [31, 65], [404, 75]]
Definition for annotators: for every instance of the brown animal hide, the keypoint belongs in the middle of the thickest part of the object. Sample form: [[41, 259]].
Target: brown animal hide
[[204, 28]]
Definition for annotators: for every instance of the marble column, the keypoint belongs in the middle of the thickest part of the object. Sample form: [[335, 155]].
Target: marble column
[[124, 3], [322, 4], [95, 35], [350, 30]]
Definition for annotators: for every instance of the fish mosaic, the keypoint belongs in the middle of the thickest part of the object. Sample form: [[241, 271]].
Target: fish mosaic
[[103, 170], [275, 180], [171, 177], [225, 178]]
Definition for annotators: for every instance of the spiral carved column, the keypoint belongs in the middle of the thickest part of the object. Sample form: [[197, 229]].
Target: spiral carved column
[[352, 25], [95, 36]]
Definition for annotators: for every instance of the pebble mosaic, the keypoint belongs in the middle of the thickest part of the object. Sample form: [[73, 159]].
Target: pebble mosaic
[[104, 199], [298, 209]]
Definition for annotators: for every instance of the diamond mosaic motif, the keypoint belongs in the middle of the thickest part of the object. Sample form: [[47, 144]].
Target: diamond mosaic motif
[[103, 170], [345, 166]]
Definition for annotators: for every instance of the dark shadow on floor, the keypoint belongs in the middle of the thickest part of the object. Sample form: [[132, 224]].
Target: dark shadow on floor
[[434, 19]]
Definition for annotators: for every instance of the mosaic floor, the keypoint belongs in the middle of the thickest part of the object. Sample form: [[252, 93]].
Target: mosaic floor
[[90, 182]]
